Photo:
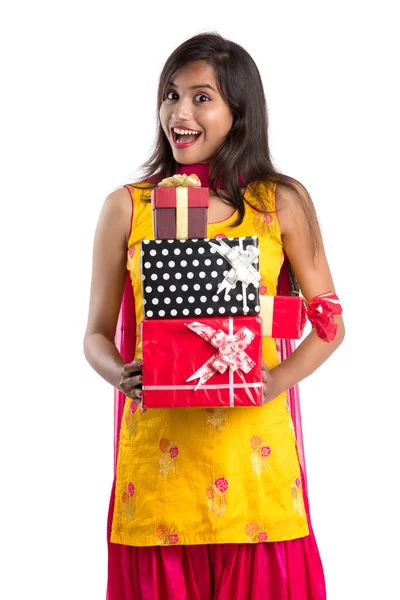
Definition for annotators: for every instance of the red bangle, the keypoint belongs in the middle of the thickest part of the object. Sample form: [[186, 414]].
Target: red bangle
[[320, 311]]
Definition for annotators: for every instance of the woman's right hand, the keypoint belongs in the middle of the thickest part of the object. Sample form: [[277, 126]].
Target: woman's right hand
[[131, 380]]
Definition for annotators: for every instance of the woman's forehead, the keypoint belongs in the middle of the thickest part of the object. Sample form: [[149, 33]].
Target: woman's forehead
[[197, 73]]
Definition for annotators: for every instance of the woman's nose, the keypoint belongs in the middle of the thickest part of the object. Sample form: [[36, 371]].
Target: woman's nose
[[182, 109]]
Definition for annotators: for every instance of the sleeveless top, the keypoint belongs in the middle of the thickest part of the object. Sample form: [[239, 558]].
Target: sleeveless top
[[205, 476]]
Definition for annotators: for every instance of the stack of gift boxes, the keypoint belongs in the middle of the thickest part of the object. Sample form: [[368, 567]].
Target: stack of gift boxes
[[203, 321]]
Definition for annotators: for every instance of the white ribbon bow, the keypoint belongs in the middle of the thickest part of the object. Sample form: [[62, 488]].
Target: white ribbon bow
[[230, 351], [241, 262]]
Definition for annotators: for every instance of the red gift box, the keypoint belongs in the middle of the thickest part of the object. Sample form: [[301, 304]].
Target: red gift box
[[283, 316], [174, 353], [180, 212]]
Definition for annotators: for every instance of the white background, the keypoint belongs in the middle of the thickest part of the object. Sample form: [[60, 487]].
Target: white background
[[77, 117]]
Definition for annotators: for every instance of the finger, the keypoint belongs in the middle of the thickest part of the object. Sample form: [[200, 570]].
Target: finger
[[135, 381], [264, 367], [140, 401], [135, 394], [265, 394], [128, 388], [133, 367], [129, 384]]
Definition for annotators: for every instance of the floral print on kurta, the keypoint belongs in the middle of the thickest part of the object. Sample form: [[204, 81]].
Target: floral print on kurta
[[259, 455], [130, 418], [263, 287], [297, 496], [261, 220], [217, 496], [255, 532], [169, 453], [216, 418], [165, 535], [130, 255], [128, 501]]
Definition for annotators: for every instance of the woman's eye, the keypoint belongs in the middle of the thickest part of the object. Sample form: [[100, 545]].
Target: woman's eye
[[203, 96], [168, 95]]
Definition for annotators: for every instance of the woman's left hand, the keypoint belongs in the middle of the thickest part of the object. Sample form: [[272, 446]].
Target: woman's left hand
[[268, 384]]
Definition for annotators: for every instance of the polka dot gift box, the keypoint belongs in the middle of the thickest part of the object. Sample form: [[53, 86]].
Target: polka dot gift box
[[200, 278]]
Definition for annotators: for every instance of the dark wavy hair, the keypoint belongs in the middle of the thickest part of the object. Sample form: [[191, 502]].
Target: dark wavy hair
[[245, 149]]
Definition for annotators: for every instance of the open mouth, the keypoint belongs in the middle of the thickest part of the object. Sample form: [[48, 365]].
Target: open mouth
[[184, 137]]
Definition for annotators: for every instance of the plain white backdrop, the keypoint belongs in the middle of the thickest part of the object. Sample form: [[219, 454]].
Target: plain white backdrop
[[79, 83]]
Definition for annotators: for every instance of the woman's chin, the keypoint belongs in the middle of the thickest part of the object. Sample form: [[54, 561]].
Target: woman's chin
[[184, 157]]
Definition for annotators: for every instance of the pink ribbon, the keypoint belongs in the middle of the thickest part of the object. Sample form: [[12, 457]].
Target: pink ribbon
[[320, 312], [230, 351]]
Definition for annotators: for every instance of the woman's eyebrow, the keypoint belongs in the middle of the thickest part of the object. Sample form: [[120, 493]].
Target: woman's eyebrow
[[193, 87]]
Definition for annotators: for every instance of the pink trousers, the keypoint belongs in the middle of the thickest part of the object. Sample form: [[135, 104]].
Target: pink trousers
[[290, 570]]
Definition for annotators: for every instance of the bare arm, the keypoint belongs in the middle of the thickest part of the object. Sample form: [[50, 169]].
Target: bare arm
[[314, 277], [108, 280]]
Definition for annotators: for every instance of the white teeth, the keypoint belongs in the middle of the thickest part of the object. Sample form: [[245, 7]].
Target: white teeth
[[185, 131]]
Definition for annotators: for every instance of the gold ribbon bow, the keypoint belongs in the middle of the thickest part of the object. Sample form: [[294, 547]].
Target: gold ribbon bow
[[181, 183]]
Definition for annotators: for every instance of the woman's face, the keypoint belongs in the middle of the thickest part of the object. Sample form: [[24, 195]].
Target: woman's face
[[193, 104]]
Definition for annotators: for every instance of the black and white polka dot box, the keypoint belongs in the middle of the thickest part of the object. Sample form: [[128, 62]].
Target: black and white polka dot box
[[200, 278]]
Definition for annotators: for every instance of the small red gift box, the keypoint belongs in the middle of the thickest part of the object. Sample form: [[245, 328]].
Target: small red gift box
[[180, 212], [212, 362], [282, 316]]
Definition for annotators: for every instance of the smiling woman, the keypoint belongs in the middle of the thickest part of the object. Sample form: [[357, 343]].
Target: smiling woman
[[211, 503], [193, 108]]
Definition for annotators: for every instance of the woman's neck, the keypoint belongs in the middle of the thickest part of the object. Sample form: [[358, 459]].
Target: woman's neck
[[199, 169], [202, 172]]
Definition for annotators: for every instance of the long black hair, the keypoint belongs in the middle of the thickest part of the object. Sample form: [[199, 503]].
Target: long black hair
[[245, 149]]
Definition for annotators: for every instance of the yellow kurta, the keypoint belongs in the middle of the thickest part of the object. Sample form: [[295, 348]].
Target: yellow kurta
[[206, 476]]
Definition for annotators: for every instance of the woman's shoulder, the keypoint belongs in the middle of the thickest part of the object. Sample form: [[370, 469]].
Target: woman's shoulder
[[289, 188], [293, 203], [116, 213], [119, 200], [122, 197]]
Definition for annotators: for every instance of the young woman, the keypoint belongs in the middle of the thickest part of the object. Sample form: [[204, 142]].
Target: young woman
[[226, 516]]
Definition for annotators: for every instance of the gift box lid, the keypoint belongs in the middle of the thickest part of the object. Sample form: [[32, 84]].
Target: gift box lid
[[166, 197]]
